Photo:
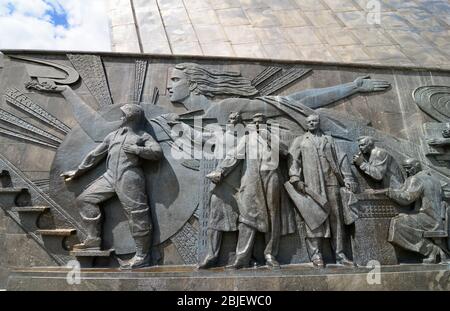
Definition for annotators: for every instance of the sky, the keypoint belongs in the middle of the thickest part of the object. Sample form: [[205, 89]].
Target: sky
[[76, 25]]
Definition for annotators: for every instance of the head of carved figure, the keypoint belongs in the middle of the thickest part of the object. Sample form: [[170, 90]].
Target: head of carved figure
[[446, 131], [412, 166], [235, 118], [191, 78], [366, 144], [178, 86], [132, 113], [258, 119], [313, 122]]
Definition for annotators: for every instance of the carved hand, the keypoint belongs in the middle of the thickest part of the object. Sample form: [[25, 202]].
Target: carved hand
[[300, 186], [46, 87], [70, 175], [351, 186], [358, 159], [381, 191], [171, 118], [215, 176], [132, 149], [365, 84], [434, 141]]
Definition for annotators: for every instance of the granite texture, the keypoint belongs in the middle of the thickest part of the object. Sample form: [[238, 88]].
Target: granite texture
[[392, 112], [289, 278]]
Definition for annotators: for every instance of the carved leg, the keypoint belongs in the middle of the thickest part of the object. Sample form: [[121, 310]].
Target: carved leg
[[246, 239], [272, 243], [88, 201], [213, 246], [443, 249], [315, 251], [337, 226], [93, 239], [142, 257], [272, 237], [141, 229], [133, 196], [405, 232]]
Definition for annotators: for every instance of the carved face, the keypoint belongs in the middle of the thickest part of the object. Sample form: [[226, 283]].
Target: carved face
[[365, 145], [259, 119], [234, 118], [313, 123], [131, 113], [446, 131], [178, 86]]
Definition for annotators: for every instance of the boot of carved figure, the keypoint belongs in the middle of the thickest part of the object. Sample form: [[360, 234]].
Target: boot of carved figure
[[318, 262], [271, 261], [142, 256], [207, 263], [315, 251], [432, 257], [93, 240], [213, 246], [341, 259], [239, 262], [244, 247]]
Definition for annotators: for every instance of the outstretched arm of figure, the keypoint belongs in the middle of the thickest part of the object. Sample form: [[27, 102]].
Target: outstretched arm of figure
[[90, 120], [408, 193], [84, 113], [91, 160], [65, 90], [225, 167], [318, 98], [233, 157], [94, 157], [439, 142]]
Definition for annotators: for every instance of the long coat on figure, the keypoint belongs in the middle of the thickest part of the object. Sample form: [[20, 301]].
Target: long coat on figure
[[259, 196]]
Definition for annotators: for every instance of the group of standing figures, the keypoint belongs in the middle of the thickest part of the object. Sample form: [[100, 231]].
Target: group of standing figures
[[316, 173], [253, 194]]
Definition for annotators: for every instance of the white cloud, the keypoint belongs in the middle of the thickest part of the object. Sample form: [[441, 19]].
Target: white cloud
[[30, 25]]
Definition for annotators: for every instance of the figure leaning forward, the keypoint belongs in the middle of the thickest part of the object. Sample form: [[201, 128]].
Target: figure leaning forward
[[124, 149]]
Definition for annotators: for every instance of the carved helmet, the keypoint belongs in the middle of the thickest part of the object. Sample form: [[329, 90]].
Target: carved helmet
[[132, 111], [261, 116], [412, 165]]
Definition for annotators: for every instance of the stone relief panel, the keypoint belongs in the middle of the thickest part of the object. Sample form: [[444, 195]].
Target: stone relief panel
[[232, 164]]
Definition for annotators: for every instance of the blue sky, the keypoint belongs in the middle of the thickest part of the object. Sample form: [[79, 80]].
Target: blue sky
[[55, 13], [54, 25], [58, 16]]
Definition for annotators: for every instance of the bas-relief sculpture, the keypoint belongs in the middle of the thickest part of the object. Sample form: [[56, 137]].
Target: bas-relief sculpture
[[317, 172], [259, 194], [377, 164], [319, 188], [124, 149], [434, 101], [415, 232]]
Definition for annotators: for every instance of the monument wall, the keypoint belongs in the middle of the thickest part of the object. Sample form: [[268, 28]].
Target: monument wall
[[57, 107]]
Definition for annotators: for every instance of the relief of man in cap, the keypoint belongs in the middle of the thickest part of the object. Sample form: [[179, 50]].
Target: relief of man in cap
[[124, 150]]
